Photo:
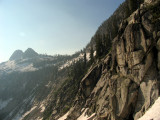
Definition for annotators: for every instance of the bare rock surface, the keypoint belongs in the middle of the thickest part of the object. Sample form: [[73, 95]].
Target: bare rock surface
[[127, 84]]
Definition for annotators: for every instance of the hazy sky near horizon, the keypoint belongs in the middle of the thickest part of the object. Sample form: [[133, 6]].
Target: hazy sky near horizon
[[50, 26]]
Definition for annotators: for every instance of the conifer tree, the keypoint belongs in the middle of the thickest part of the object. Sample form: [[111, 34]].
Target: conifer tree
[[85, 59], [98, 46], [91, 55], [134, 4]]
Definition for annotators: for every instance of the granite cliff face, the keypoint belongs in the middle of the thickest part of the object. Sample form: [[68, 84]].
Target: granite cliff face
[[125, 83]]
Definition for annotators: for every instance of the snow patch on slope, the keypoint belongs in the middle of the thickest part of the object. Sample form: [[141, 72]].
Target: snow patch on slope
[[70, 62], [8, 65], [153, 113], [88, 55], [42, 107], [34, 107], [39, 118], [11, 66], [84, 116], [64, 116], [28, 68]]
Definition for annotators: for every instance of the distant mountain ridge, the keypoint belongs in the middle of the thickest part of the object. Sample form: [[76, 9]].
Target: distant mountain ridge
[[19, 54], [26, 80]]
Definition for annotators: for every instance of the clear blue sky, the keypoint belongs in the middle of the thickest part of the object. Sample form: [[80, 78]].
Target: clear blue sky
[[50, 26]]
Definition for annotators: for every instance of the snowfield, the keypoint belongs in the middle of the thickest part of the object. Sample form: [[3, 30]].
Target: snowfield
[[64, 116], [153, 113], [70, 62], [24, 65], [11, 66], [83, 116]]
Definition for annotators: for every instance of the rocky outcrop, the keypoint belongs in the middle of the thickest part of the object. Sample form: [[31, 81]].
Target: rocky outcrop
[[30, 53], [18, 54], [127, 84]]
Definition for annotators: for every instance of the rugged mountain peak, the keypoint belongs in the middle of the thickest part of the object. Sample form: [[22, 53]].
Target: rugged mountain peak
[[18, 54], [30, 53]]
